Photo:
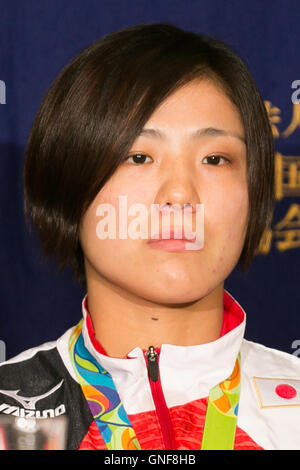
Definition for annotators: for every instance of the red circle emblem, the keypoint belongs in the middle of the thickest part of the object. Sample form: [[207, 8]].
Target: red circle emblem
[[286, 391]]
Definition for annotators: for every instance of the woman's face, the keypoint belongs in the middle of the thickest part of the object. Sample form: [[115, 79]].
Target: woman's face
[[176, 168]]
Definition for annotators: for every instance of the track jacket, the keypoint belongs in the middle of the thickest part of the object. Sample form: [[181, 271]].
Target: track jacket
[[167, 414]]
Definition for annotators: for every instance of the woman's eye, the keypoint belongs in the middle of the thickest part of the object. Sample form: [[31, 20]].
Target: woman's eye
[[215, 160], [138, 158]]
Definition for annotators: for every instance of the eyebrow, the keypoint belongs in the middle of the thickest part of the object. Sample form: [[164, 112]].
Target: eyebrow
[[205, 131]]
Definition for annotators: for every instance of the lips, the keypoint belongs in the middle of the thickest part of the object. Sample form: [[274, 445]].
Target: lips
[[176, 233]]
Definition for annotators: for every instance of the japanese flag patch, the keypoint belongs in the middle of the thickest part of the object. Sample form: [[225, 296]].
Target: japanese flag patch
[[277, 392]]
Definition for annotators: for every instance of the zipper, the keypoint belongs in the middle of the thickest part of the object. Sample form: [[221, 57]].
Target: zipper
[[152, 359]]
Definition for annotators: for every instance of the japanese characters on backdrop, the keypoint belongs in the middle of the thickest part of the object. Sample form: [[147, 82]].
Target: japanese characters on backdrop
[[285, 234]]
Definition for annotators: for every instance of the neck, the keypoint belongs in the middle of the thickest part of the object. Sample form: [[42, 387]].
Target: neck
[[123, 321]]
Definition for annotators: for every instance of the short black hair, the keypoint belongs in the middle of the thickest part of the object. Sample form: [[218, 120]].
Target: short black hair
[[97, 106]]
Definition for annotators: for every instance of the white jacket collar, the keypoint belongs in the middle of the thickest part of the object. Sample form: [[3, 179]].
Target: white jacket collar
[[195, 368]]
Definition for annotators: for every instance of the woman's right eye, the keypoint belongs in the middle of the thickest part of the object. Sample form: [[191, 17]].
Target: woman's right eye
[[138, 158]]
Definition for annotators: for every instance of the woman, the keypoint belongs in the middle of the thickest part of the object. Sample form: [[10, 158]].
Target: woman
[[152, 122]]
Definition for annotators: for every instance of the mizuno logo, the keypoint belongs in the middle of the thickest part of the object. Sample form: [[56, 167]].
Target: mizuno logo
[[22, 413], [29, 402]]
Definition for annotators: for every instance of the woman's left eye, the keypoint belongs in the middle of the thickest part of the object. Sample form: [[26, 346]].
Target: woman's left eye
[[215, 160], [138, 158]]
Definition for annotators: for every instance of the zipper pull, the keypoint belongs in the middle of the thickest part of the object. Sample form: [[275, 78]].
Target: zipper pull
[[152, 355]]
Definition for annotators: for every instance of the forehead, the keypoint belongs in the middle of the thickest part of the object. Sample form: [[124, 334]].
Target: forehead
[[200, 103]]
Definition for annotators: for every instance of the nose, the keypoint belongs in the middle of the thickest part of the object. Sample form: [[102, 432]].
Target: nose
[[178, 192]]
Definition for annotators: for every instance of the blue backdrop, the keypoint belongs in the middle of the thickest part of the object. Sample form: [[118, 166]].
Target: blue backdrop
[[37, 39]]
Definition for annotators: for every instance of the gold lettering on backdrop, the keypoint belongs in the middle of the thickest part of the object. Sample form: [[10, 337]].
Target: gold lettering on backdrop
[[295, 122], [274, 118], [286, 233], [288, 229], [287, 176]]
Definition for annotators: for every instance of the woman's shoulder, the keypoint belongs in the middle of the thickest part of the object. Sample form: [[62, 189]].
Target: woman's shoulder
[[270, 396], [37, 357], [258, 358], [274, 375], [38, 383]]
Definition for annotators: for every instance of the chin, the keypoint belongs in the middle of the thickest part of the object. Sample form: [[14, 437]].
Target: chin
[[178, 296]]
